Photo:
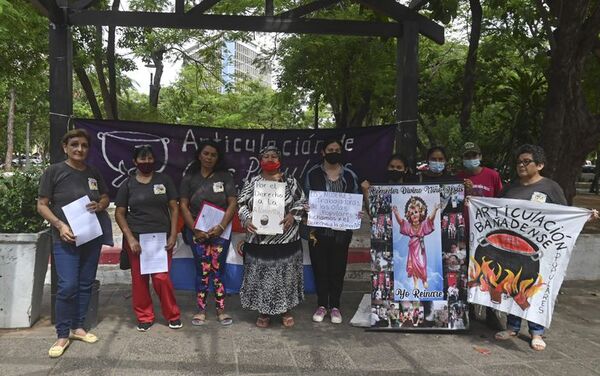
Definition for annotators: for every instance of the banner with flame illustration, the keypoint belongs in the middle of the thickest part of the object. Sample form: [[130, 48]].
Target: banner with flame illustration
[[519, 254]]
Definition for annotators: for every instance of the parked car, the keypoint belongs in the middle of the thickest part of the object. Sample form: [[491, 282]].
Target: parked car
[[587, 173]]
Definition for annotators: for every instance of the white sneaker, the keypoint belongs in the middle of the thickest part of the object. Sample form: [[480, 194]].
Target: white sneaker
[[319, 314], [336, 316]]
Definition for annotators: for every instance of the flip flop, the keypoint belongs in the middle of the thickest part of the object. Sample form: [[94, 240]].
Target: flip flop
[[505, 334], [263, 321], [56, 350], [224, 319], [87, 338], [538, 344], [199, 319]]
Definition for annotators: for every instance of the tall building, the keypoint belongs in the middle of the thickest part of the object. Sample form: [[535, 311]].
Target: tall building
[[239, 60]]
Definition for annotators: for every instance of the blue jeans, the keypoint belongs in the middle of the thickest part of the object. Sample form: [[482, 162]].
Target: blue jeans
[[514, 323], [76, 269]]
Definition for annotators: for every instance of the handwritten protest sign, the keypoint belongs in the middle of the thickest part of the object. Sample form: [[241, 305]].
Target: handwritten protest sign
[[521, 252], [268, 207], [334, 210]]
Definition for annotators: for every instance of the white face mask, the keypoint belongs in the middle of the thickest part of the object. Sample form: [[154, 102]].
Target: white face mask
[[436, 167], [471, 164]]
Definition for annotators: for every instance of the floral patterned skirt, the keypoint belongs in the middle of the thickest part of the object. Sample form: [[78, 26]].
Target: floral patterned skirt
[[273, 277]]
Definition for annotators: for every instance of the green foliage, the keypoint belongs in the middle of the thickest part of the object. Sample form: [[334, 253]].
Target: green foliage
[[18, 200], [24, 67]]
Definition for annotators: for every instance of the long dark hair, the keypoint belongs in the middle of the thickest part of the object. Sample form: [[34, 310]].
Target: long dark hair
[[219, 166]]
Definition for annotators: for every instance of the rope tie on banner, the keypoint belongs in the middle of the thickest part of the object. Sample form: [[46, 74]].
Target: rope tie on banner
[[70, 117]]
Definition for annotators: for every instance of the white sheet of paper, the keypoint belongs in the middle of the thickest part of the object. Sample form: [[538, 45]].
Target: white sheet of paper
[[153, 258], [210, 217], [335, 210], [268, 207], [85, 225]]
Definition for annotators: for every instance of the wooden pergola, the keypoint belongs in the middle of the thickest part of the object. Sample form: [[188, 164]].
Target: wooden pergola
[[406, 26]]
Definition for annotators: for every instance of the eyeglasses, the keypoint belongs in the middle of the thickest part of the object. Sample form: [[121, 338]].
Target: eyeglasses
[[524, 162]]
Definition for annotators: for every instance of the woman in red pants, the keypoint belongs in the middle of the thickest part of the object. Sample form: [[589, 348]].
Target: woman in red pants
[[147, 204]]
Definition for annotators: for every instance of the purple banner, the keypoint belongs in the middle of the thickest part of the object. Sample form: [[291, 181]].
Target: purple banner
[[366, 150]]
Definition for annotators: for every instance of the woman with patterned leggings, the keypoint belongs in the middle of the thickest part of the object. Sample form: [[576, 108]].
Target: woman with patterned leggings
[[208, 183]]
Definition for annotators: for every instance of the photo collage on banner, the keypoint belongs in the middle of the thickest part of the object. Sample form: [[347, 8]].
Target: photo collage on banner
[[418, 257]]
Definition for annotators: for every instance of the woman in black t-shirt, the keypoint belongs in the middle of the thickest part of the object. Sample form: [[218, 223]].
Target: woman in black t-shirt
[[76, 265], [208, 183], [147, 204]]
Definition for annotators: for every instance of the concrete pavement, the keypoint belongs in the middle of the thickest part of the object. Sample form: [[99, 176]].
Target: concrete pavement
[[308, 348]]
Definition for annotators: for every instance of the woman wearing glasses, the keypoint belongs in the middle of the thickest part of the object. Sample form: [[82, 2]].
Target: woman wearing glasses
[[530, 186], [61, 184], [147, 204]]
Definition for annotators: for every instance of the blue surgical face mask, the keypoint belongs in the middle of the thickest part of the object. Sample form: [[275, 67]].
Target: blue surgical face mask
[[436, 167], [471, 164]]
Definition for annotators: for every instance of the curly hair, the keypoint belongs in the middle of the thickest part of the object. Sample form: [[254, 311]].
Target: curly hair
[[418, 203]]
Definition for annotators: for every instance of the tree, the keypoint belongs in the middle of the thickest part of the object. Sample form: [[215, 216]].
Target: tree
[[21, 67], [571, 129]]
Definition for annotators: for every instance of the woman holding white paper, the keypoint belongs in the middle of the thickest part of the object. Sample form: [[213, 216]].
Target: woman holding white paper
[[147, 214], [61, 184], [273, 272], [207, 182], [329, 247]]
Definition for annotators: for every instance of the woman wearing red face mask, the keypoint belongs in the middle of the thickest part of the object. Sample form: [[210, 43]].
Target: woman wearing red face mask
[[208, 182], [273, 280], [147, 203]]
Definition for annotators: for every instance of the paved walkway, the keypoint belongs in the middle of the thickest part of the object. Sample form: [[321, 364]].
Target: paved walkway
[[306, 349]]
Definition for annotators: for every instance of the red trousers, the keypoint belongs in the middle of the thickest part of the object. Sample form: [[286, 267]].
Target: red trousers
[[141, 299]]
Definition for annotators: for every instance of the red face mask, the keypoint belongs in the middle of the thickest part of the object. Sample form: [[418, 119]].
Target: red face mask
[[270, 166]]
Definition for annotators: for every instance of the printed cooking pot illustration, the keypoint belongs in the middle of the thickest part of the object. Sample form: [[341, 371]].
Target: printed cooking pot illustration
[[506, 262], [126, 141]]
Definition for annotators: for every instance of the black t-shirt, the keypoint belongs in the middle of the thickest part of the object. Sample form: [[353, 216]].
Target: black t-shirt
[[214, 188], [62, 184], [147, 204]]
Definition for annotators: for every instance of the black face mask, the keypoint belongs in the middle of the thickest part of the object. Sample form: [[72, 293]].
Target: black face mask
[[395, 175], [333, 158]]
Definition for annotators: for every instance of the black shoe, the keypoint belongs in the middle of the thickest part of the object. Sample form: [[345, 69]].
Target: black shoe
[[143, 326], [175, 324]]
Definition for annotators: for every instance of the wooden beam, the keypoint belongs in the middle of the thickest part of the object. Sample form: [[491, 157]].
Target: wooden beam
[[179, 5], [241, 23], [305, 9], [50, 10], [407, 91], [417, 4], [82, 4], [402, 13], [269, 8], [202, 7]]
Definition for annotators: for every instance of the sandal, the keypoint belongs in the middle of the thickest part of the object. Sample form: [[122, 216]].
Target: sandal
[[287, 320], [224, 319], [505, 334], [199, 319], [56, 350], [538, 344], [263, 321]]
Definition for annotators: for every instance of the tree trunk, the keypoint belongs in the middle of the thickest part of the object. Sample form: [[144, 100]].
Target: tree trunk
[[111, 64], [570, 130], [470, 68], [157, 59], [99, 66], [10, 130], [88, 89]]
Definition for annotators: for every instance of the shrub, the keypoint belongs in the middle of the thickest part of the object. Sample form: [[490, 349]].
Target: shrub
[[18, 199]]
